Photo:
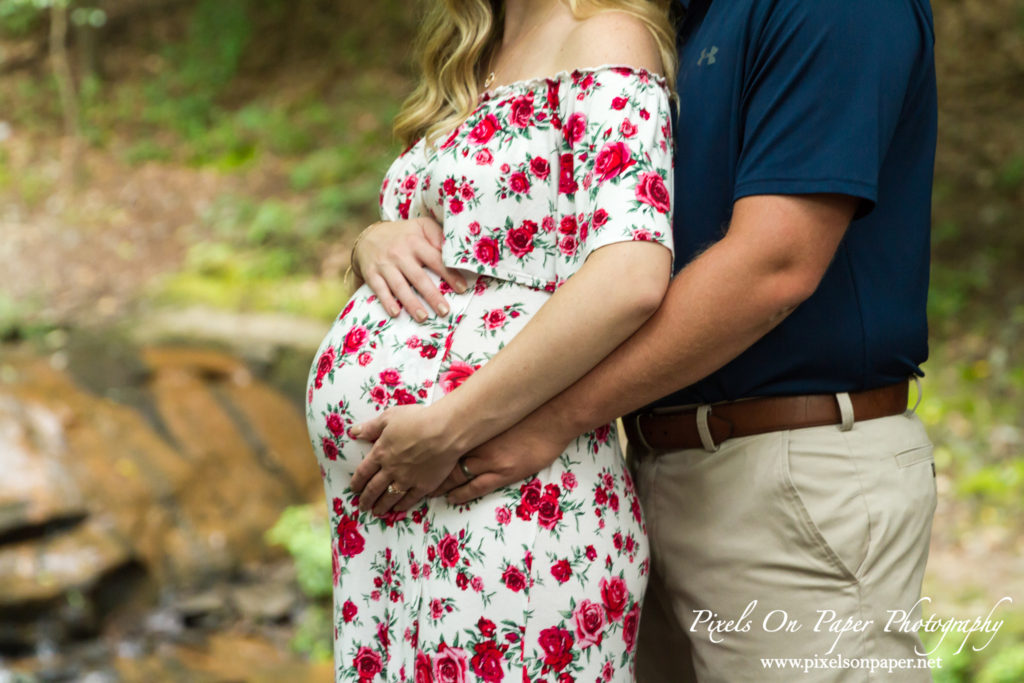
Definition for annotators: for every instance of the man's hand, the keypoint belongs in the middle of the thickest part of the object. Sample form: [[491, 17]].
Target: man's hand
[[391, 257], [524, 450]]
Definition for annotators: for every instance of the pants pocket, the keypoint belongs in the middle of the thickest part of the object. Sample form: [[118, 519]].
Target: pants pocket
[[916, 476], [913, 456], [827, 495]]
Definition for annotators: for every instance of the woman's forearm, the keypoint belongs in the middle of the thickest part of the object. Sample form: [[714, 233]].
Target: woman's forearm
[[610, 297]]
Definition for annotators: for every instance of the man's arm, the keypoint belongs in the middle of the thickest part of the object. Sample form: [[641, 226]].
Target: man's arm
[[774, 255]]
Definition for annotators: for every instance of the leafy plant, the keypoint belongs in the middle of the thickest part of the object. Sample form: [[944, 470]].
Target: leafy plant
[[1006, 666], [314, 634], [306, 537]]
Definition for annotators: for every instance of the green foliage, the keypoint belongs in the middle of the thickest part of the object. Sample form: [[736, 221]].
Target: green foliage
[[88, 16], [282, 131], [183, 98], [245, 223], [307, 539], [30, 186], [333, 165], [218, 35], [1006, 666], [5, 171], [1001, 661], [17, 319], [274, 222], [973, 409], [324, 167], [217, 274], [955, 667], [329, 147], [954, 288], [20, 17], [222, 145], [11, 315], [945, 232], [314, 634], [1000, 485], [1011, 176], [334, 206], [147, 150]]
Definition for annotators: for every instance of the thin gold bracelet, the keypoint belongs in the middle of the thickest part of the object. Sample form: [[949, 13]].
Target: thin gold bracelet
[[351, 270]]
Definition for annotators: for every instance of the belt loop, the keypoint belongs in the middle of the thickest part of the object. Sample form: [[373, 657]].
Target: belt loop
[[702, 428], [845, 410], [920, 395], [640, 433]]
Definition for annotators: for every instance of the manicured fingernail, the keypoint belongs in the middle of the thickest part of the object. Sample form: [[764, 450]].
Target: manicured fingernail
[[444, 309], [393, 310], [460, 287], [421, 315], [355, 430]]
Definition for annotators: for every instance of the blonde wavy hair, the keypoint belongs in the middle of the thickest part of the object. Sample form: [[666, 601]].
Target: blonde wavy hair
[[457, 40]]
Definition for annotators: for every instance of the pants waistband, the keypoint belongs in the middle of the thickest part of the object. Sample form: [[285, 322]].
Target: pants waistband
[[707, 426]]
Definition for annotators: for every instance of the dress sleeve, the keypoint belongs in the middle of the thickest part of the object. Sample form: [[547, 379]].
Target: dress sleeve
[[615, 163]]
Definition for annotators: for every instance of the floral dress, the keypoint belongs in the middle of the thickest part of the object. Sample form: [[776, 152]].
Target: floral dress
[[541, 580]]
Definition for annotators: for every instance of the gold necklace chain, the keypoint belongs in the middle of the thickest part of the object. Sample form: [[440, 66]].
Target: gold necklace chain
[[551, 12]]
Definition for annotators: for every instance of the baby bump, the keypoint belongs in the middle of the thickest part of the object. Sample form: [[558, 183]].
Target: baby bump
[[369, 361]]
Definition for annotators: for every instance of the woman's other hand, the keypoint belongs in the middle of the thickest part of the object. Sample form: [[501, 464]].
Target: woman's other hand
[[392, 257], [414, 450]]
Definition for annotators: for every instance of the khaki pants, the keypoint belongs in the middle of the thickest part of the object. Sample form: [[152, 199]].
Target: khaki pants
[[805, 540]]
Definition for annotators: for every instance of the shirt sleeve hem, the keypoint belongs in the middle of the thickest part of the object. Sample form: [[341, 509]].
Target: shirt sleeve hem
[[854, 188], [866, 192]]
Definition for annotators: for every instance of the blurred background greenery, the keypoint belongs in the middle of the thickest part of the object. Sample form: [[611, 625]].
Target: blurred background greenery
[[172, 164]]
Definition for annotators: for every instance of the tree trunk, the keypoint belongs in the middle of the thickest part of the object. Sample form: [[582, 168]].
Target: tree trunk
[[66, 88], [89, 59]]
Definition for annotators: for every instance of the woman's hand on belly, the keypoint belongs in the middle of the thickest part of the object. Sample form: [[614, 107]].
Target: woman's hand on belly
[[392, 258], [414, 450]]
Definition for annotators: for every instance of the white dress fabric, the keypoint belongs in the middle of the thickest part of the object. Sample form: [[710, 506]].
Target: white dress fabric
[[541, 580]]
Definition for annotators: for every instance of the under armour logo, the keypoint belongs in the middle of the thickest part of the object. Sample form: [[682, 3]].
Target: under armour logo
[[707, 56]]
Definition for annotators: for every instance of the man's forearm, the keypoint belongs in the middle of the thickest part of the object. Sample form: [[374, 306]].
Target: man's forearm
[[734, 293], [710, 315]]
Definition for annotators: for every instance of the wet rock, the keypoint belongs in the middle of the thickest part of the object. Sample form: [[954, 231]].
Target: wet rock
[[38, 570], [207, 609], [104, 500], [223, 658], [164, 623], [265, 601], [25, 431], [253, 335]]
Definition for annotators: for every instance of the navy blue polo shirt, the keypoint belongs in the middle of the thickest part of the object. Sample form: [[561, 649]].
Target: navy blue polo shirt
[[814, 96]]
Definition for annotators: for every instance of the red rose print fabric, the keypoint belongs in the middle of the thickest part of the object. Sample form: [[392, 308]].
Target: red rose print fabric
[[541, 580], [544, 172]]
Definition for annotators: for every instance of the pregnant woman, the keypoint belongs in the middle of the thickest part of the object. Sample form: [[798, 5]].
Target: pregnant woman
[[552, 188]]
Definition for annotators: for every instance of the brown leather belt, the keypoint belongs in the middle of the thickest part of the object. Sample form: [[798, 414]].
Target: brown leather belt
[[679, 430]]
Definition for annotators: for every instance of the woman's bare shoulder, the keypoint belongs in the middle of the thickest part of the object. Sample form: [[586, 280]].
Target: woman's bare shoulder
[[610, 37]]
